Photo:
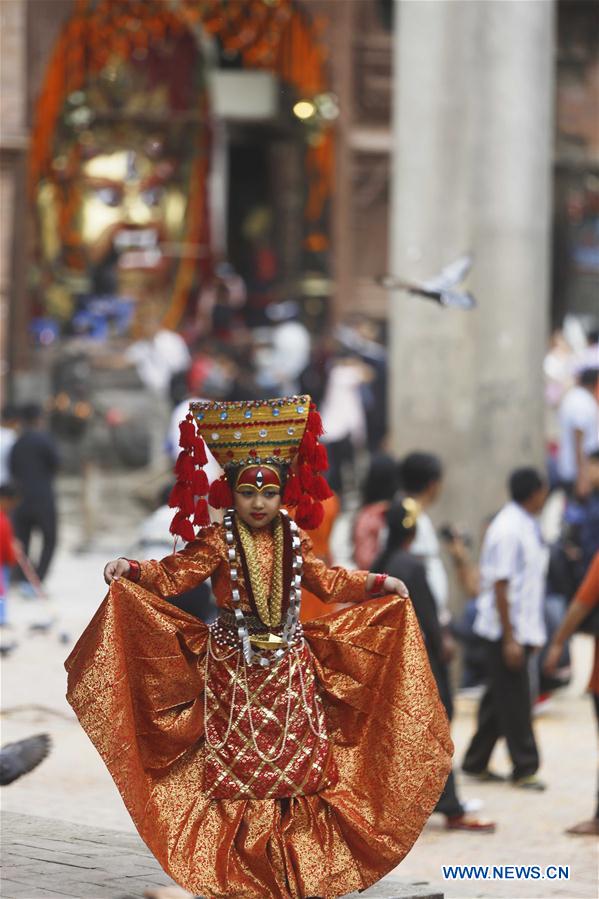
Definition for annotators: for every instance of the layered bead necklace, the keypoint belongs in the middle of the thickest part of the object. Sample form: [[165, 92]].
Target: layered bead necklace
[[251, 656], [291, 629]]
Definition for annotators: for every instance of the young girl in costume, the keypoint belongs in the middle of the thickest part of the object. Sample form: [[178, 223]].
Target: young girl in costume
[[259, 758]]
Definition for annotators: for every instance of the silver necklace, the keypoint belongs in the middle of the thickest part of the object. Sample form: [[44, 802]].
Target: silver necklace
[[292, 617]]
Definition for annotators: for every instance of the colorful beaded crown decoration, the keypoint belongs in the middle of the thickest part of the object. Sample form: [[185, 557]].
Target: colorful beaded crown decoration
[[282, 432]]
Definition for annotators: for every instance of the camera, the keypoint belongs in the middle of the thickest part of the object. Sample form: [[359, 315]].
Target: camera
[[449, 533]]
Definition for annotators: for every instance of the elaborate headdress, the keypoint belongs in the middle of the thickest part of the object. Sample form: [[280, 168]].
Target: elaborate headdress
[[282, 432]]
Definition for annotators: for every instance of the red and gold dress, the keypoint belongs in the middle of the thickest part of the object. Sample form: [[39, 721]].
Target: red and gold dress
[[312, 776]]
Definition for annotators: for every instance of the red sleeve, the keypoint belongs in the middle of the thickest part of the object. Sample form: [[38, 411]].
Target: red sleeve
[[7, 546], [588, 592]]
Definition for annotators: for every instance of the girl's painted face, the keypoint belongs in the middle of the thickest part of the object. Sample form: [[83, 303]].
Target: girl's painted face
[[258, 495], [257, 508]]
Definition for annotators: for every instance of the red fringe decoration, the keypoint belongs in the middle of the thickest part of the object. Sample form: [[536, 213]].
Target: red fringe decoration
[[306, 476], [201, 517], [321, 458], [314, 424], [307, 449], [175, 497], [315, 517], [188, 433], [181, 498], [309, 515], [220, 495], [199, 451], [182, 527], [184, 467], [304, 507], [199, 484], [293, 491], [321, 489]]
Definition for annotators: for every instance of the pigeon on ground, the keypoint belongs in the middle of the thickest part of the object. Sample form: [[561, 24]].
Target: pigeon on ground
[[7, 648], [441, 288], [21, 757]]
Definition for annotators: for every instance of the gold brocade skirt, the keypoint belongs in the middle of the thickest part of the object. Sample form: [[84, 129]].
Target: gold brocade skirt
[[136, 683], [264, 728]]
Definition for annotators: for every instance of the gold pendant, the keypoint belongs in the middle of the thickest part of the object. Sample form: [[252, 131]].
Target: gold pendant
[[267, 641]]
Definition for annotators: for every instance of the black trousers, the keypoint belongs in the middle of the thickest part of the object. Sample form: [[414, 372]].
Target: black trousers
[[504, 711], [448, 803], [41, 517]]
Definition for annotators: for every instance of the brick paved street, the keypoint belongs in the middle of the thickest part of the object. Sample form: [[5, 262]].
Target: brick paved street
[[72, 787], [47, 858]]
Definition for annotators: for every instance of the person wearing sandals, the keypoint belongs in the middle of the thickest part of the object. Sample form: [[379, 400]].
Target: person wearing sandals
[[258, 756], [398, 560], [510, 620]]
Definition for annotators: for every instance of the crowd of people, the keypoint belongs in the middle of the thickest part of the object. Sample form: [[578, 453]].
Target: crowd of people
[[524, 598], [520, 602]]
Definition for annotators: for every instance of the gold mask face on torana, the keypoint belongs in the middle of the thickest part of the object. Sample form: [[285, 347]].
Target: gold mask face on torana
[[113, 215]]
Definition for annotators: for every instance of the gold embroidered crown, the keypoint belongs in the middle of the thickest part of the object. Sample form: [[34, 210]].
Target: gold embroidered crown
[[284, 431]]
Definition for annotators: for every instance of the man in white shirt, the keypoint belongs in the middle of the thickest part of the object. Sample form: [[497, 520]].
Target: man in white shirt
[[510, 621], [8, 435], [579, 432]]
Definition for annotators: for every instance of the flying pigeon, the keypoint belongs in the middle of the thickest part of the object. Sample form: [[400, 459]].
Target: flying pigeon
[[441, 288], [21, 757]]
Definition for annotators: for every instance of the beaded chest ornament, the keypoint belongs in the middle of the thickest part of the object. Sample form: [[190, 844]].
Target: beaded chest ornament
[[272, 642]]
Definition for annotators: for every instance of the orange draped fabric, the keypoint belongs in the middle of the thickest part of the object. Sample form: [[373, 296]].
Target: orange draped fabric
[[136, 683], [312, 606]]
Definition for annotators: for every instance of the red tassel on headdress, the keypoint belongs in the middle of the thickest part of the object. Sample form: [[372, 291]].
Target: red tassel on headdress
[[293, 491], [321, 458], [199, 484], [184, 467], [175, 497], [201, 517], [315, 517], [199, 451], [182, 527], [309, 515], [320, 488], [304, 507], [307, 450], [187, 431], [181, 498], [220, 495], [314, 424], [306, 476]]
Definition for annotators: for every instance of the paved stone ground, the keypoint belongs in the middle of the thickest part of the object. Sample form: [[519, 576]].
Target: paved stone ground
[[46, 858], [72, 786]]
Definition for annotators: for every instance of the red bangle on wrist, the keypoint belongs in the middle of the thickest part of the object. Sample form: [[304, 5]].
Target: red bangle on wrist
[[378, 585], [134, 570]]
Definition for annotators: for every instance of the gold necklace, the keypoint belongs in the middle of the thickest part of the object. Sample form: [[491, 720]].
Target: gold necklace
[[291, 623], [269, 602]]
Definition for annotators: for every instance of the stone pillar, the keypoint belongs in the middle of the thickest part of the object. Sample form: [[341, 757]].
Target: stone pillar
[[13, 143], [472, 157]]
